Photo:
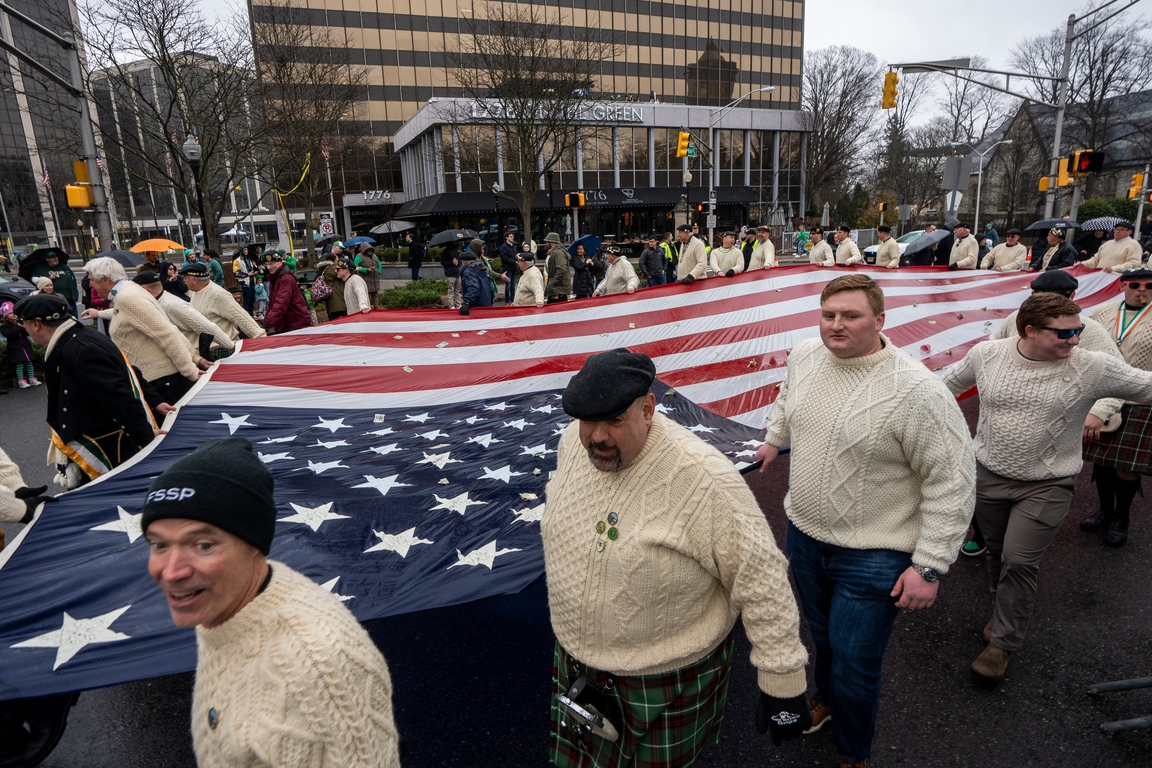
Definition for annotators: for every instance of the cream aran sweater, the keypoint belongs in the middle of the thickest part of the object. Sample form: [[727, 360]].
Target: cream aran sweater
[[1120, 255], [848, 253], [693, 260], [763, 256], [881, 456], [356, 294], [1137, 347], [1093, 339], [619, 278], [11, 508], [888, 254], [191, 324], [1005, 258], [1032, 411], [821, 253], [723, 259], [529, 288], [217, 305], [295, 682], [143, 332], [694, 552], [965, 253]]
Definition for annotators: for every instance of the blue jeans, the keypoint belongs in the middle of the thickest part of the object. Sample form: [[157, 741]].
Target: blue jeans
[[846, 598], [510, 288], [415, 272], [657, 279]]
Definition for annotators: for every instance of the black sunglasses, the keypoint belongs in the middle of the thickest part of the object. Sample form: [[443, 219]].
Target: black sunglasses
[[1136, 285], [1064, 333]]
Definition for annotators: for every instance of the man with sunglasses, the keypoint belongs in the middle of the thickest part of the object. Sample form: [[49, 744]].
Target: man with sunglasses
[[1035, 393], [1121, 254], [1120, 454]]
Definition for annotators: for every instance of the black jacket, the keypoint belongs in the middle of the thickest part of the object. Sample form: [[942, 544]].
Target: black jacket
[[446, 258], [1065, 256], [415, 254], [652, 262], [19, 345], [90, 391]]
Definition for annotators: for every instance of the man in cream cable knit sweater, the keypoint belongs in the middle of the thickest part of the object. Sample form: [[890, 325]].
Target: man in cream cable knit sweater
[[1036, 392], [653, 544], [217, 305], [881, 488], [285, 675]]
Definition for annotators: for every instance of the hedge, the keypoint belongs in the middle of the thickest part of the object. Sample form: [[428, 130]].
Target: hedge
[[414, 295]]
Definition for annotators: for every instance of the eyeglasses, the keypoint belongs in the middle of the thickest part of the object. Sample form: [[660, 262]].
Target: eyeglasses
[[1136, 285], [1064, 333]]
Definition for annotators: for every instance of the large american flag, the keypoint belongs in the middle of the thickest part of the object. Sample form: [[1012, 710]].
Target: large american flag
[[411, 449]]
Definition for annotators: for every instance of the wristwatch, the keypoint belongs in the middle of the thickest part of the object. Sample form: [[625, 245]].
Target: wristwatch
[[929, 575]]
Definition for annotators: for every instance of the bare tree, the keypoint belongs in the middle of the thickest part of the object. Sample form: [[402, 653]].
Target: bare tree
[[306, 91], [527, 70], [974, 111], [166, 72], [842, 87]]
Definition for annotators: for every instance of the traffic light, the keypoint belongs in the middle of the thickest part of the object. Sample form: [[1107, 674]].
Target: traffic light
[[682, 144], [883, 207], [1063, 178], [574, 199], [1045, 183], [888, 101], [700, 207], [78, 197], [1085, 161], [1136, 186]]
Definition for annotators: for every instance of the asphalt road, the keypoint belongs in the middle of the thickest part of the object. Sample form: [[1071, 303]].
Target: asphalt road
[[472, 682]]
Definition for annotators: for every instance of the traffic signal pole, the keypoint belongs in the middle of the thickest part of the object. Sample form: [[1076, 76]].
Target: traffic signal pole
[[1061, 103], [1143, 198]]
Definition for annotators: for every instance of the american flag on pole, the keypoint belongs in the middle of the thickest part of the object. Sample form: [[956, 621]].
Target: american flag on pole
[[324, 148], [411, 449], [99, 160], [47, 181]]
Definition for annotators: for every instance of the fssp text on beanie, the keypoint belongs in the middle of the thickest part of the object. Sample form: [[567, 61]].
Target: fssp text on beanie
[[221, 483]]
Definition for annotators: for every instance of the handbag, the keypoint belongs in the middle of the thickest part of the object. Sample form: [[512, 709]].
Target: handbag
[[320, 288], [1113, 422]]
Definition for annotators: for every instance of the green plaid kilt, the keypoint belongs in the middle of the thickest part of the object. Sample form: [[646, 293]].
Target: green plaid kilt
[[1128, 448], [668, 718]]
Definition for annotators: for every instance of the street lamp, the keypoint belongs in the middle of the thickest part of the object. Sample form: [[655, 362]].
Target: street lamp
[[191, 150], [714, 116], [980, 174], [496, 210], [687, 209]]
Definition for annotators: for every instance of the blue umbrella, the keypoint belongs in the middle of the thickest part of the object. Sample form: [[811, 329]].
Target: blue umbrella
[[359, 240], [591, 245]]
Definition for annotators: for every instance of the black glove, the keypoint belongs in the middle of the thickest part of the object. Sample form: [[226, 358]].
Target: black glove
[[954, 266], [688, 280], [464, 310], [842, 265], [32, 498], [729, 273], [783, 719]]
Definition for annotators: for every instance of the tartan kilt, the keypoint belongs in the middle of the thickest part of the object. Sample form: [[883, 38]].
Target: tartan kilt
[[1128, 448], [668, 718]]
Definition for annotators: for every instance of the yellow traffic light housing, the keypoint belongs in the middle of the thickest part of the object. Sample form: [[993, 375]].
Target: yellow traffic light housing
[[78, 196], [682, 144], [1045, 183], [883, 207], [888, 100], [1063, 178], [574, 199]]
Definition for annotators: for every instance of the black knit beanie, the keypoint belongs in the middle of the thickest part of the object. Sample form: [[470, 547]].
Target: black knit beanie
[[221, 483]]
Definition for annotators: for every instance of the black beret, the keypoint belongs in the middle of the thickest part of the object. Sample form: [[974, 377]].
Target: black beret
[[816, 231], [684, 228], [1132, 274], [962, 224], [236, 290], [845, 228], [345, 264], [146, 278], [981, 237], [467, 255], [730, 234], [196, 270], [42, 306], [526, 256], [270, 256], [883, 228], [221, 483], [1012, 231], [1126, 224], [607, 385], [1055, 281]]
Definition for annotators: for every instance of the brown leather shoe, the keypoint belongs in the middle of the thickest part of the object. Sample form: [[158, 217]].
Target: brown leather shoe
[[847, 762], [988, 631], [990, 665], [821, 715]]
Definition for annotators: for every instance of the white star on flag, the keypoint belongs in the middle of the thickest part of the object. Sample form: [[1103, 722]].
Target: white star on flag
[[536, 450], [268, 458], [128, 523], [505, 473], [518, 424], [545, 409], [434, 434], [501, 406], [421, 417], [313, 517], [385, 431], [438, 459], [75, 634], [529, 515], [382, 484], [384, 450], [399, 543], [458, 504], [484, 440], [331, 424], [661, 408], [234, 422], [753, 443], [320, 467], [271, 440], [745, 453], [330, 586], [331, 444], [472, 419], [483, 556], [559, 430], [701, 428]]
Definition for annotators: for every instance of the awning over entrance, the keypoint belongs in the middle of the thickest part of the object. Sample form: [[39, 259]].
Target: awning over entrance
[[646, 197]]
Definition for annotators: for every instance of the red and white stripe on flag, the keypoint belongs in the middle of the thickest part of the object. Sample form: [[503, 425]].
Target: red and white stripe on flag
[[723, 343], [324, 147], [47, 181]]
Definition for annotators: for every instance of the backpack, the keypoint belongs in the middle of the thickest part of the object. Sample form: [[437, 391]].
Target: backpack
[[320, 288]]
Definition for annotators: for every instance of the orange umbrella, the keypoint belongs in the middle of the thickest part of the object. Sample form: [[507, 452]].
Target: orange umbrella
[[156, 244]]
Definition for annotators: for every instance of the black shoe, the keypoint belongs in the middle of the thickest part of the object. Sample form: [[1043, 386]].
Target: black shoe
[[1096, 522], [1117, 533]]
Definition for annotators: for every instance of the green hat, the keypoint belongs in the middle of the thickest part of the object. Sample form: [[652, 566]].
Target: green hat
[[552, 237]]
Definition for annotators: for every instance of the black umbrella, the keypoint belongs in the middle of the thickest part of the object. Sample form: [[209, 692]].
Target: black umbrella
[[1046, 224], [924, 242], [324, 242], [127, 258], [451, 236], [36, 258], [1102, 224]]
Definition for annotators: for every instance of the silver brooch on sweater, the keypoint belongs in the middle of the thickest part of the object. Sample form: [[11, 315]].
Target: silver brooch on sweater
[[213, 718]]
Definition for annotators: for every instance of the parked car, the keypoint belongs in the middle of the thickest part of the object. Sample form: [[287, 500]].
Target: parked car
[[901, 243], [13, 288]]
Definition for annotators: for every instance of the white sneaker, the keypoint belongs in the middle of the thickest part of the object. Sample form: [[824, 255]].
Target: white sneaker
[[23, 384]]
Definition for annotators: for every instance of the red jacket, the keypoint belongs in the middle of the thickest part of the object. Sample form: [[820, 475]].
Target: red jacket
[[287, 310]]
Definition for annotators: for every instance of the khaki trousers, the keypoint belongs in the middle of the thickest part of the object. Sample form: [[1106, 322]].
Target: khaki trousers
[[1019, 520]]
